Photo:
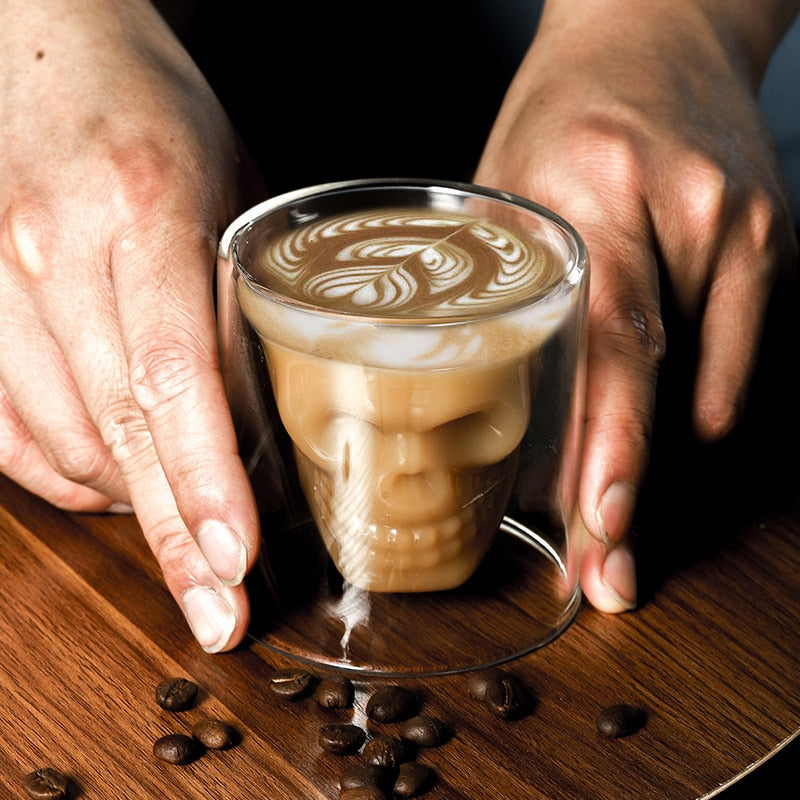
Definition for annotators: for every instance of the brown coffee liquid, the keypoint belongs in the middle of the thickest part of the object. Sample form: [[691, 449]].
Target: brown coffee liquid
[[405, 427]]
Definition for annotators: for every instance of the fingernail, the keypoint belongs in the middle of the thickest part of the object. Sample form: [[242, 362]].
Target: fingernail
[[619, 578], [120, 508], [615, 511], [210, 617], [224, 550]]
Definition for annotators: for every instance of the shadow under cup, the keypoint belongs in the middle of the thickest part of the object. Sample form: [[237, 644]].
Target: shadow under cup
[[405, 365]]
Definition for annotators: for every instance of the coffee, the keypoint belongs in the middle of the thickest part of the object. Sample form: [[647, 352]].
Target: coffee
[[335, 691], [620, 719], [392, 703], [176, 694], [403, 351], [413, 779], [176, 748], [291, 682], [424, 730], [341, 738], [214, 734], [501, 692], [46, 783]]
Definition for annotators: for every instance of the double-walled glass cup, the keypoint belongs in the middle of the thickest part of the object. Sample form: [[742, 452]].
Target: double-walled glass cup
[[405, 364]]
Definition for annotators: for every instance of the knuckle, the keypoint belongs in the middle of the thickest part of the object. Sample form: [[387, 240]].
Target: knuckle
[[706, 194], [126, 437], [175, 550], [629, 429], [82, 461], [161, 373], [771, 232], [611, 147], [26, 238], [14, 436], [634, 332], [141, 173]]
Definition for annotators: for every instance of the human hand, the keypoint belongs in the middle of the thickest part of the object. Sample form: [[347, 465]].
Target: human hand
[[641, 128], [118, 170]]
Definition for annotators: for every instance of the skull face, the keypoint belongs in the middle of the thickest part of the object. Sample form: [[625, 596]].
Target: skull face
[[407, 473]]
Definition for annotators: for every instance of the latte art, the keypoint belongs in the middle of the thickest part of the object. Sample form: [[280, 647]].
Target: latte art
[[408, 263]]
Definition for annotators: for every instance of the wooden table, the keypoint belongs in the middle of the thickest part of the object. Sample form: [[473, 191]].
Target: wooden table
[[87, 630]]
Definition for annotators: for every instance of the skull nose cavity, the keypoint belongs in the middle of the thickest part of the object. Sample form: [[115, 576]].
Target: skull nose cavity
[[431, 491]]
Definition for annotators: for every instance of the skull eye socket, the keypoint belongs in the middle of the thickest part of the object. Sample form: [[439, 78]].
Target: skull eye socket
[[338, 440], [483, 437]]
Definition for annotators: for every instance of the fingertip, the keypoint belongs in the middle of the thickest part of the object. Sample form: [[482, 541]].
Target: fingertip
[[715, 418], [608, 578], [615, 511], [213, 618], [224, 549]]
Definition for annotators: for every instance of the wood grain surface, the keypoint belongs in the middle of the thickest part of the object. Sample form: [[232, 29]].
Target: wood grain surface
[[87, 631]]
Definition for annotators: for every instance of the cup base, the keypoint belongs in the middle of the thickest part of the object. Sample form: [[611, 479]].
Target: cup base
[[514, 603]]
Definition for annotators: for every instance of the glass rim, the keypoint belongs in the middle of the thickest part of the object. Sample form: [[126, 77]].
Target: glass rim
[[571, 279]]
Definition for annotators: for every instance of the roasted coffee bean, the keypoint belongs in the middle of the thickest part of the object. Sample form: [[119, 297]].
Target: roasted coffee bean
[[335, 692], [214, 734], [413, 779], [175, 748], [506, 697], [391, 704], [479, 681], [341, 739], [46, 784], [364, 793], [620, 719], [291, 682], [424, 730], [365, 775], [384, 751], [176, 694]]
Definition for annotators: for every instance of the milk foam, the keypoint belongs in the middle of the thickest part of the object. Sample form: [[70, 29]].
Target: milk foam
[[407, 288], [409, 263]]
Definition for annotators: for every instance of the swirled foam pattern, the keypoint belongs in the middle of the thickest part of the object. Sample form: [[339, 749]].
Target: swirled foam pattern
[[409, 263]]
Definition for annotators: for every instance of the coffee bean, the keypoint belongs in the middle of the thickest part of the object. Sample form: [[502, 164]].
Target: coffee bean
[[214, 734], [46, 784], [364, 775], [424, 730], [341, 739], [479, 681], [384, 751], [175, 748], [364, 793], [335, 692], [176, 694], [391, 704], [620, 719], [291, 682], [413, 779], [506, 697]]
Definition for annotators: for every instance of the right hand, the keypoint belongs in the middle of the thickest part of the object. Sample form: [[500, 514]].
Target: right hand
[[118, 171], [641, 127]]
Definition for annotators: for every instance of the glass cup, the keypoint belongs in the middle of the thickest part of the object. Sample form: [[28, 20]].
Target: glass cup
[[405, 363]]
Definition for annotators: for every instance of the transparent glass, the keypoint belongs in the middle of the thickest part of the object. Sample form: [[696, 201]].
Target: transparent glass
[[412, 428]]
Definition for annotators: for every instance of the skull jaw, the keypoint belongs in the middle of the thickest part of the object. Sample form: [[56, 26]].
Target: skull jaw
[[377, 554]]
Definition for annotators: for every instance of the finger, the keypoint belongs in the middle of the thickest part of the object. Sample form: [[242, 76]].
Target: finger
[[175, 379], [626, 345], [92, 347], [734, 316], [54, 446], [218, 614], [724, 238], [22, 460]]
